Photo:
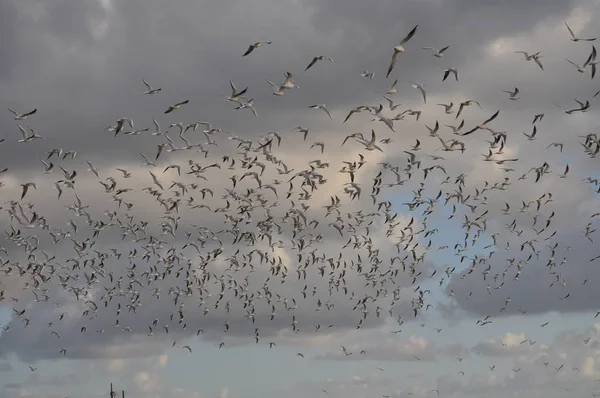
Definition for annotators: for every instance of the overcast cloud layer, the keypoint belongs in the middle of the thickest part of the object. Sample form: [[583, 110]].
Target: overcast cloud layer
[[430, 284]]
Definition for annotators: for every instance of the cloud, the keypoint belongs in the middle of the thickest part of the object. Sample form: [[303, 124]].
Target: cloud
[[379, 346], [81, 64], [509, 345]]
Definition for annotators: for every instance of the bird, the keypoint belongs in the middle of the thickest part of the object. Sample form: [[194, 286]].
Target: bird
[[176, 106], [514, 95], [400, 49], [447, 73], [22, 116], [235, 95], [421, 88], [439, 53], [575, 38], [323, 107], [256, 45], [26, 187], [392, 89], [149, 89], [317, 58]]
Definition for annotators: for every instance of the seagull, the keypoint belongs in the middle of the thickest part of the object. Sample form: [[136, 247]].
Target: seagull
[[436, 53], [26, 188], [400, 49], [367, 74], [482, 125], [22, 116], [302, 130], [531, 136], [448, 108], [466, 103], [255, 45], [421, 88], [580, 68], [323, 107], [317, 58], [277, 89], [448, 71], [288, 83], [149, 89], [392, 89], [176, 106], [358, 109], [392, 106], [514, 95], [92, 169], [49, 166], [235, 95], [248, 105], [575, 38], [370, 145]]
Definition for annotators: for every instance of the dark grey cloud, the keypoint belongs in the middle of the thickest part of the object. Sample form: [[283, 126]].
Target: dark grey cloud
[[81, 83]]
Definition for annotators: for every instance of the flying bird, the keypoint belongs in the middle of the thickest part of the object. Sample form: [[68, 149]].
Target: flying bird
[[176, 106], [22, 116], [256, 45], [317, 58], [400, 49]]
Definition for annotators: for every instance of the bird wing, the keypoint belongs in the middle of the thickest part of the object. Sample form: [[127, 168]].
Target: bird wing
[[570, 31], [249, 50], [392, 64], [314, 61], [492, 117], [409, 35]]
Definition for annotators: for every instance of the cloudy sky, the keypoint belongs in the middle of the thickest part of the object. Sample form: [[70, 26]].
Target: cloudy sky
[[513, 312]]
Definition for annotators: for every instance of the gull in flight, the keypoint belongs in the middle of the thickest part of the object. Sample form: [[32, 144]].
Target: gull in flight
[[393, 106], [588, 62], [482, 125], [370, 145], [176, 106], [575, 38], [252, 47], [514, 95], [436, 53], [535, 57], [358, 109], [400, 49], [22, 116], [448, 71], [317, 58], [289, 82], [302, 130], [26, 188], [448, 108], [466, 103], [235, 95], [323, 107], [156, 128], [248, 105], [537, 118], [149, 89], [277, 89], [28, 137], [367, 74], [392, 90], [421, 88]]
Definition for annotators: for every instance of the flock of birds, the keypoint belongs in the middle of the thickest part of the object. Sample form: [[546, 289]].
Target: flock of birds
[[224, 230]]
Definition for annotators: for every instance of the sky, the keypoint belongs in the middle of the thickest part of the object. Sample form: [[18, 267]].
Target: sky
[[510, 312]]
